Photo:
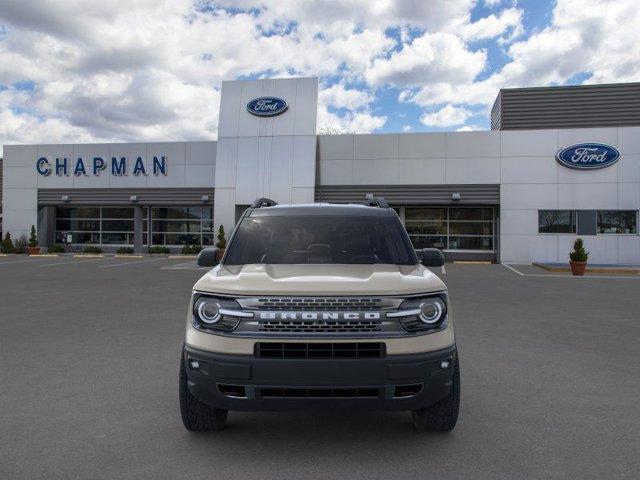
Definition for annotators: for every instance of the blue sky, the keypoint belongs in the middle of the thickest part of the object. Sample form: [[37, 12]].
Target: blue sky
[[77, 71]]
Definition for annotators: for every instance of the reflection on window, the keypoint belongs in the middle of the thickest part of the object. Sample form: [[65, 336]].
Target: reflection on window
[[618, 221], [95, 225], [556, 221], [189, 225], [450, 228]]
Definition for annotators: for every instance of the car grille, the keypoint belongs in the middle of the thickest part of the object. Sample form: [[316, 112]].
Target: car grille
[[319, 303], [320, 350], [272, 392], [319, 326]]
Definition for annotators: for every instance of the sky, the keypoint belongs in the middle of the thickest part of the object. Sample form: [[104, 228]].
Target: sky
[[77, 71]]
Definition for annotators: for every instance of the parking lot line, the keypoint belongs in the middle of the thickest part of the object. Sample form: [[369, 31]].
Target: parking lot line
[[74, 261], [513, 269], [130, 263], [551, 275]]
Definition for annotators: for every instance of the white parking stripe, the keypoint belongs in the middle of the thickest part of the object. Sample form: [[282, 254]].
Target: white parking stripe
[[513, 269], [185, 266], [72, 262], [130, 263], [551, 275]]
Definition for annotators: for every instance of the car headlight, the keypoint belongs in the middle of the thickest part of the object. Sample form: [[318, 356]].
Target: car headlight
[[214, 313], [431, 311], [426, 313], [208, 310]]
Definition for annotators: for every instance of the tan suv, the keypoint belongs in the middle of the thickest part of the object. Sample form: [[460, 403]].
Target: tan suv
[[319, 305]]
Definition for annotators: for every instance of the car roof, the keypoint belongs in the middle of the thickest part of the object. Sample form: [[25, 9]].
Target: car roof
[[321, 209]]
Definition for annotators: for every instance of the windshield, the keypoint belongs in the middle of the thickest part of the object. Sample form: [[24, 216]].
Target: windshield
[[321, 239]]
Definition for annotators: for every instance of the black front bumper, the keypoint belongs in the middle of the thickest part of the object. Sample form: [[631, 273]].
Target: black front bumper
[[394, 382]]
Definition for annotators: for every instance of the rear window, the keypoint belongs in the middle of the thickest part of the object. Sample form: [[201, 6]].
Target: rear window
[[321, 239]]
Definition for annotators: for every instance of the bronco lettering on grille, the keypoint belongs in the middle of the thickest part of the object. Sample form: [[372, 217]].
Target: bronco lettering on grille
[[319, 315]]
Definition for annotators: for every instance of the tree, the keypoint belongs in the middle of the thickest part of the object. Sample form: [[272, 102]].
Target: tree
[[222, 241], [7, 244], [33, 238]]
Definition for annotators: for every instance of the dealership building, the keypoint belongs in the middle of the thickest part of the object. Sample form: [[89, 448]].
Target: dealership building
[[559, 162]]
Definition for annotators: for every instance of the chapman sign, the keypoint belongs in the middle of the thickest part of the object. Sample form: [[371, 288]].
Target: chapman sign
[[267, 106], [118, 166], [588, 156]]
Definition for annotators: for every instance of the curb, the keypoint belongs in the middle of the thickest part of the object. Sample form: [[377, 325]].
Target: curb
[[88, 255], [127, 255], [45, 255], [182, 256]]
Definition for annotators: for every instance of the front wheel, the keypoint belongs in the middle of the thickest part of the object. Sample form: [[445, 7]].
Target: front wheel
[[198, 416], [443, 415]]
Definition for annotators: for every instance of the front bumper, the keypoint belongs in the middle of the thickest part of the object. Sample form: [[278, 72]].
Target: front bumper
[[394, 382]]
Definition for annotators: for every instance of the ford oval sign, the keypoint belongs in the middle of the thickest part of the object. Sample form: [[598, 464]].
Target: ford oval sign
[[267, 106], [588, 156]]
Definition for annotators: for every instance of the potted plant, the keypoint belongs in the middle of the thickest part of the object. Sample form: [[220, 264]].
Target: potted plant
[[578, 258], [7, 244], [33, 249], [221, 243]]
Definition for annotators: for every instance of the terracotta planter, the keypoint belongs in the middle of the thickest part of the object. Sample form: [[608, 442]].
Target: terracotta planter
[[578, 268], [33, 250]]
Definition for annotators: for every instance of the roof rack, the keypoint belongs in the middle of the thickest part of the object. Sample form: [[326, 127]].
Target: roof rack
[[263, 202], [376, 201]]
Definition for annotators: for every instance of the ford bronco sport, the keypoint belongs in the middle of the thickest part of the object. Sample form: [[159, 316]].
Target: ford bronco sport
[[319, 305]]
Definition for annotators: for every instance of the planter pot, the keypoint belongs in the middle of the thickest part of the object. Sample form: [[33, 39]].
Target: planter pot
[[33, 250], [578, 268]]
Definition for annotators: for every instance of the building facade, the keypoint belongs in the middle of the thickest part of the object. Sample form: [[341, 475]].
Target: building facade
[[504, 195]]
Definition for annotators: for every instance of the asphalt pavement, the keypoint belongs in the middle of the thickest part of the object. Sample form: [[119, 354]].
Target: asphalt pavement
[[89, 352]]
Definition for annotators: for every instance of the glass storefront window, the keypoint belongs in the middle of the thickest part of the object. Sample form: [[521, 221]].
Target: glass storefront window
[[187, 225], [95, 225], [450, 228], [618, 221], [556, 221]]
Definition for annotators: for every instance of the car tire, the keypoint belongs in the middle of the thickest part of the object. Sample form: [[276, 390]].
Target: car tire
[[196, 415], [443, 415]]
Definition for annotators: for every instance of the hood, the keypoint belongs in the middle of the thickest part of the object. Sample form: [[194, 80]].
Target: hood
[[321, 279]]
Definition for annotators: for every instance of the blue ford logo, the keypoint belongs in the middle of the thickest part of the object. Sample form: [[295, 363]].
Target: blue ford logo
[[267, 106], [588, 156]]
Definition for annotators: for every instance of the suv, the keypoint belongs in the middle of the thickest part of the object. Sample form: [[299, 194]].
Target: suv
[[319, 305]]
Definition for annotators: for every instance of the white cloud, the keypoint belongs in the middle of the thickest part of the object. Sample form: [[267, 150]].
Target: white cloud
[[509, 22], [433, 57], [358, 122], [469, 128], [407, 128], [340, 97], [447, 116]]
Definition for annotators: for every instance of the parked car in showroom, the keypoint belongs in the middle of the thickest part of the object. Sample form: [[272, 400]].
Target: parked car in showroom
[[319, 305]]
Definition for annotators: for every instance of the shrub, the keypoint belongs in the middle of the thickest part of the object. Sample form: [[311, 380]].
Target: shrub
[[579, 254], [57, 248], [158, 249], [7, 244], [191, 249], [222, 241], [20, 245], [124, 250], [33, 238], [91, 249]]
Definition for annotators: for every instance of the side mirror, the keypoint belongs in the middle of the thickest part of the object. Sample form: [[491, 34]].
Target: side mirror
[[432, 257], [208, 257]]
